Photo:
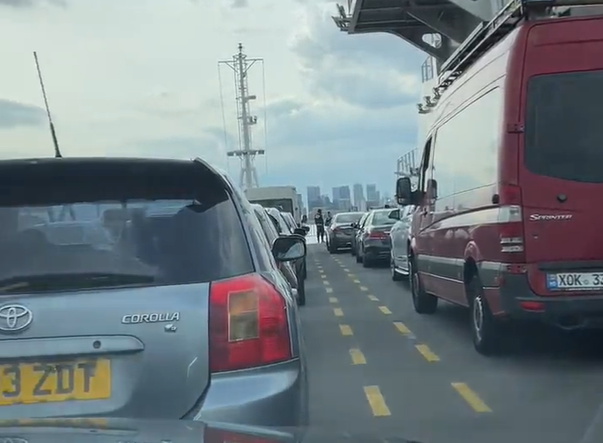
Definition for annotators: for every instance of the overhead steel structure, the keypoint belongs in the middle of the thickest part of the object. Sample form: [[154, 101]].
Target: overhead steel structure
[[416, 21]]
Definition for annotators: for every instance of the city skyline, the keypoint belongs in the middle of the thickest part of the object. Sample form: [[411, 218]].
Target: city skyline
[[357, 196]]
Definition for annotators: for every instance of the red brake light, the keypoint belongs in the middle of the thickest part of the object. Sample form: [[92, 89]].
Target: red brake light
[[248, 324], [377, 234]]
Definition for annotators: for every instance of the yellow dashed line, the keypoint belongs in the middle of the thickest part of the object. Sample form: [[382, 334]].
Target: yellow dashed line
[[332, 299], [373, 298], [385, 310], [376, 401], [338, 312], [356, 281], [427, 353], [346, 269], [323, 276], [351, 275], [363, 288], [402, 328], [329, 290], [357, 357], [346, 330], [471, 397], [326, 283], [320, 271]]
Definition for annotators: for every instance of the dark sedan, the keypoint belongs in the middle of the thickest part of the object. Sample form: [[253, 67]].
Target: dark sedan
[[340, 231]]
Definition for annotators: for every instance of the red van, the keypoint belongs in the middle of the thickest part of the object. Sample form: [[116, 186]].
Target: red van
[[511, 178]]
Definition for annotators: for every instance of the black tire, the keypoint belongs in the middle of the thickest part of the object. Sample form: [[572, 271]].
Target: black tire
[[423, 302], [301, 292], [366, 262], [395, 276], [332, 249], [304, 270], [358, 257], [485, 329], [353, 250]]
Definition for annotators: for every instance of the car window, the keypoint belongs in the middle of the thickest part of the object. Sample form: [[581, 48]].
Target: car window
[[267, 226], [347, 217], [363, 220], [132, 242], [382, 218]]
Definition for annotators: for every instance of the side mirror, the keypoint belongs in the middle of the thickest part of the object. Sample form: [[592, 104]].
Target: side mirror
[[395, 214], [289, 248], [403, 191], [300, 231], [353, 225], [306, 228]]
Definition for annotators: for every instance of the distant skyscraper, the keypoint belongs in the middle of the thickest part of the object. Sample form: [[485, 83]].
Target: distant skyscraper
[[359, 200], [341, 198], [313, 196], [372, 196]]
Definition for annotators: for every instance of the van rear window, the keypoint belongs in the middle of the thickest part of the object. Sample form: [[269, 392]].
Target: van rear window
[[564, 132]]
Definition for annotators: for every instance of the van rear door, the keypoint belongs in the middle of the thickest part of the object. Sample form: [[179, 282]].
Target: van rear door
[[562, 175]]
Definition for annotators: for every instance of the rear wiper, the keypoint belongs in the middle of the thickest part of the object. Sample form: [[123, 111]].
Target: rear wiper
[[55, 281]]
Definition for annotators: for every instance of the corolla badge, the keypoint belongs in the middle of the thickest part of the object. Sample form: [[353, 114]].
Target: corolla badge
[[14, 318], [551, 217]]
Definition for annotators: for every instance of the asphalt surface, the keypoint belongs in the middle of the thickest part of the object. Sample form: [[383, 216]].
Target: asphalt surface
[[376, 366]]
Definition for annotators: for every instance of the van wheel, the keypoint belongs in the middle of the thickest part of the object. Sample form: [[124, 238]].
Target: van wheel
[[485, 329], [423, 302], [395, 276]]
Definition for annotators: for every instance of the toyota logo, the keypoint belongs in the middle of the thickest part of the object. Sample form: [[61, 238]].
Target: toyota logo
[[14, 318]]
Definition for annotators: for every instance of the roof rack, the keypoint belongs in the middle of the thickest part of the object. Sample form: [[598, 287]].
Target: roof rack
[[487, 35]]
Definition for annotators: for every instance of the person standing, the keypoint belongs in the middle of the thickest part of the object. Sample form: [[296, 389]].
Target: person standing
[[320, 226]]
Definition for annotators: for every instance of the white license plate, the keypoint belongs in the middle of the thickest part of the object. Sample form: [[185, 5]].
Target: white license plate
[[581, 281]]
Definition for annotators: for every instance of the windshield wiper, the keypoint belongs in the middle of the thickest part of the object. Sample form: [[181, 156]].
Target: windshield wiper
[[68, 281]]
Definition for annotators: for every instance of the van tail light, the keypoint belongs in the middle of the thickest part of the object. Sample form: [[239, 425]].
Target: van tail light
[[510, 219], [377, 235], [248, 324]]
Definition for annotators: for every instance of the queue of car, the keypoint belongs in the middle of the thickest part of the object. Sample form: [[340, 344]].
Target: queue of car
[[150, 290]]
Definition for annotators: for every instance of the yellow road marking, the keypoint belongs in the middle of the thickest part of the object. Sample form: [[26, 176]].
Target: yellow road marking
[[471, 397], [323, 276], [363, 288], [357, 357], [320, 271], [329, 290], [347, 270], [346, 330], [402, 328], [326, 283], [351, 275], [356, 281], [333, 299], [338, 312], [376, 401], [385, 310], [427, 353], [373, 298]]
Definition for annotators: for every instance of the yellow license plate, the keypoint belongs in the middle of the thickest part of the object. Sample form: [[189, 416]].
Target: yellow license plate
[[55, 382]]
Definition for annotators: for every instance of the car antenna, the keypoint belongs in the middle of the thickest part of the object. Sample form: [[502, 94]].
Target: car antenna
[[57, 150]]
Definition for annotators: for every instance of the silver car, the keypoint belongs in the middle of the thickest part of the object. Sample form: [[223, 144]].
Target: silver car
[[179, 313]]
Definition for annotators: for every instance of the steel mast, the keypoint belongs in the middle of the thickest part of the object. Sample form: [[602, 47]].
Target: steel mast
[[241, 64]]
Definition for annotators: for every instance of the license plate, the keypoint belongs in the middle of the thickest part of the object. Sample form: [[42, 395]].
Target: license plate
[[55, 382], [584, 281]]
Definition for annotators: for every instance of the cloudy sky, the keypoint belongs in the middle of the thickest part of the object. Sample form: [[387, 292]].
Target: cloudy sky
[[141, 78]]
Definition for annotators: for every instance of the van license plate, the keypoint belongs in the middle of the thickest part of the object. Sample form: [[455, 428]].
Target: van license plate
[[584, 281]]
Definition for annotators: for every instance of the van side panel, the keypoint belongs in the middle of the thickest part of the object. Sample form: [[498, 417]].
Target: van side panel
[[561, 192], [466, 145]]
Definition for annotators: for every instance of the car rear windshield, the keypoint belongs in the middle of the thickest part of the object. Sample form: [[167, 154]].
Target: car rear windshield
[[282, 204], [563, 129], [382, 218], [115, 244], [347, 218]]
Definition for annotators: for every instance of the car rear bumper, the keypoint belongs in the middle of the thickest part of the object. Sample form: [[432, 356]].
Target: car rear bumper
[[275, 395], [518, 301], [377, 251]]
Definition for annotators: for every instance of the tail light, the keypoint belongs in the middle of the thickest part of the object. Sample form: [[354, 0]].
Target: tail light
[[510, 221], [248, 324], [378, 235]]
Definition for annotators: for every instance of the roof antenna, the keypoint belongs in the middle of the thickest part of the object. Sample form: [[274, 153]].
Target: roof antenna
[[57, 151]]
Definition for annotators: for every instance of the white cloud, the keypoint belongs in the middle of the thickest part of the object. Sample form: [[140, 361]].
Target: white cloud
[[140, 77]]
